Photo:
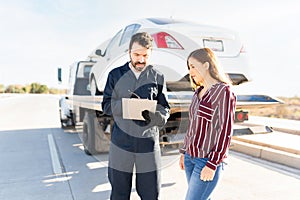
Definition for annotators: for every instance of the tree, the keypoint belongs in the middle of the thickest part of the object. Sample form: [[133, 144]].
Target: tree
[[15, 89], [2, 88], [38, 88]]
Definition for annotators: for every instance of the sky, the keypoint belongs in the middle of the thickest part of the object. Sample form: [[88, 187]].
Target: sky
[[38, 36]]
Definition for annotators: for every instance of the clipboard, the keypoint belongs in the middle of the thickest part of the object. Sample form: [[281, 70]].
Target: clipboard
[[132, 108]]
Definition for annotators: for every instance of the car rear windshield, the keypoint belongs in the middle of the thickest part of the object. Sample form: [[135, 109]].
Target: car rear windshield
[[163, 21]]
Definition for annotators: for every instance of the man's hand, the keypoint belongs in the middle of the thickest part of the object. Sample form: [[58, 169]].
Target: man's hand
[[155, 118], [146, 116]]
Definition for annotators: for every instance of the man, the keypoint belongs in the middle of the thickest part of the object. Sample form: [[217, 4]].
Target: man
[[135, 143]]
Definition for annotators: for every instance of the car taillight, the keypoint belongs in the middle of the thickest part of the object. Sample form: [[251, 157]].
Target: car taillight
[[243, 49], [165, 40]]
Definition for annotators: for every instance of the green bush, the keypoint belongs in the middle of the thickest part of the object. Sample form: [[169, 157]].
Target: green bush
[[37, 88], [34, 88]]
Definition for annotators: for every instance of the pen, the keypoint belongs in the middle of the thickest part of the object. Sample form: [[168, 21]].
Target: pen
[[132, 93]]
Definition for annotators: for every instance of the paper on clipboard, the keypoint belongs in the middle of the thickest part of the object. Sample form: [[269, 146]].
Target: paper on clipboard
[[132, 108]]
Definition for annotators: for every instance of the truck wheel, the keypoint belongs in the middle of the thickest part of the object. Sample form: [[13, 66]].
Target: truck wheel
[[67, 123], [88, 133]]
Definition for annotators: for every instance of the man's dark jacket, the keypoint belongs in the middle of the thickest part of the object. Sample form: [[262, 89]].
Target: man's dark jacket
[[121, 82]]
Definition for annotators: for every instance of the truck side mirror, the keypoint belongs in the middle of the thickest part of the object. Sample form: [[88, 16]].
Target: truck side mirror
[[98, 52], [59, 75]]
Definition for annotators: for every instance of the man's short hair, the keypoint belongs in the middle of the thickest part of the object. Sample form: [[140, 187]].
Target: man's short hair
[[143, 39]]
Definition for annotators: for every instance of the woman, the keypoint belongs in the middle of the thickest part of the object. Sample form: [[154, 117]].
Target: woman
[[211, 118]]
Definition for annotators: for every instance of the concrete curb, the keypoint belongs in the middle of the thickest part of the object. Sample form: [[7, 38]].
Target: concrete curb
[[266, 153], [290, 131], [268, 145], [275, 149]]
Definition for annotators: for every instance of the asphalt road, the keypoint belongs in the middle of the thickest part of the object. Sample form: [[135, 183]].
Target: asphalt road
[[40, 161]]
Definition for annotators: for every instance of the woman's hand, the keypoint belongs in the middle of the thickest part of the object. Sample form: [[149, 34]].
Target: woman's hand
[[207, 174], [181, 161]]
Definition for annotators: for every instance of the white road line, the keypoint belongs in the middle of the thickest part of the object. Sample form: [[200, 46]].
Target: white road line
[[57, 169]]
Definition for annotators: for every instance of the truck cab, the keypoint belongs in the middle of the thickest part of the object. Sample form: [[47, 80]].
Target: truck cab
[[78, 84]]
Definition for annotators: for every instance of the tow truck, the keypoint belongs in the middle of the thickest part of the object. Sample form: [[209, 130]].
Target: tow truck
[[173, 40], [80, 109]]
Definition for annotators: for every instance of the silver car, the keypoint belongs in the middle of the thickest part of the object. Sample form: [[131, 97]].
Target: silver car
[[173, 41]]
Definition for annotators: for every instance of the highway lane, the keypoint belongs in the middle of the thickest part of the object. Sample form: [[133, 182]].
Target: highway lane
[[27, 170]]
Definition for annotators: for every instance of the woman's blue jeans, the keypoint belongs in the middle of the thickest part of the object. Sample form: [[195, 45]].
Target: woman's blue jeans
[[198, 189]]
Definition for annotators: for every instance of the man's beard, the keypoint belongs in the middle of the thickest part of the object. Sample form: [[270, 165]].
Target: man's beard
[[138, 68]]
